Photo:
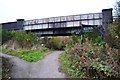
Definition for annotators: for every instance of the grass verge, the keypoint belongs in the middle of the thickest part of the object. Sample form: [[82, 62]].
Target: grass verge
[[68, 68], [28, 55], [66, 64]]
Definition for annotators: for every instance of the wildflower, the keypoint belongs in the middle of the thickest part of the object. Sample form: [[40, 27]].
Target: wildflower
[[80, 62], [108, 74], [102, 69], [100, 65]]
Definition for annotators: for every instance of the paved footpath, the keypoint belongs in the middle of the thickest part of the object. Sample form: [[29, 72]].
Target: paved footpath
[[46, 68]]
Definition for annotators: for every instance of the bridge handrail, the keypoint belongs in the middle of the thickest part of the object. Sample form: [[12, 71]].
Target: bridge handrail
[[79, 17]]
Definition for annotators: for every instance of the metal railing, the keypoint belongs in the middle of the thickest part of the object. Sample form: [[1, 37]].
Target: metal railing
[[67, 21]]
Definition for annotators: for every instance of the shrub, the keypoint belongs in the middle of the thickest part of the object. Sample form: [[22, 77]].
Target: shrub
[[5, 36], [93, 59], [26, 40], [75, 39], [113, 37], [56, 42]]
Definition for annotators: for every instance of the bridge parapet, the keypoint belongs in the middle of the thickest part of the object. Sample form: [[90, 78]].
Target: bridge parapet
[[80, 17], [64, 21]]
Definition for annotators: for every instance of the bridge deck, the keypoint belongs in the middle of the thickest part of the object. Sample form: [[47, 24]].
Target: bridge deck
[[62, 31], [64, 21]]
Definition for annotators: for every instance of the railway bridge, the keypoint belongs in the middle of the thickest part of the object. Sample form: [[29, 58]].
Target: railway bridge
[[63, 25]]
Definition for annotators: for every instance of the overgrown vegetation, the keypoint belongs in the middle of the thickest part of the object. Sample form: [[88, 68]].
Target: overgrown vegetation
[[28, 55], [91, 59], [113, 37], [23, 45], [56, 43], [4, 35], [25, 40]]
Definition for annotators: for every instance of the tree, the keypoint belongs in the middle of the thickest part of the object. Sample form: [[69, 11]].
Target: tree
[[117, 9], [113, 37]]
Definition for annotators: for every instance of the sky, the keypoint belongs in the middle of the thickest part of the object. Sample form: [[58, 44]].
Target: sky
[[10, 10]]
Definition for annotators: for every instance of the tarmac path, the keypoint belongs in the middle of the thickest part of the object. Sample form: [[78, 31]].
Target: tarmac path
[[46, 68]]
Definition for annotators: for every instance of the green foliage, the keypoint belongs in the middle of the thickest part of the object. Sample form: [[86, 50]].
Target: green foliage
[[66, 62], [56, 43], [90, 35], [29, 49], [28, 55], [93, 59], [93, 36], [69, 67], [26, 40], [102, 67], [32, 56], [113, 37], [5, 36], [95, 39], [75, 39]]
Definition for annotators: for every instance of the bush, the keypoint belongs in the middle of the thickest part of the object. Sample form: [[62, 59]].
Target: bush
[[93, 59], [25, 46], [56, 43], [113, 37], [5, 36], [26, 40]]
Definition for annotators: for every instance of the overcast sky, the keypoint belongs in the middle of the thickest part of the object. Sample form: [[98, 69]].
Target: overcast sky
[[10, 10]]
